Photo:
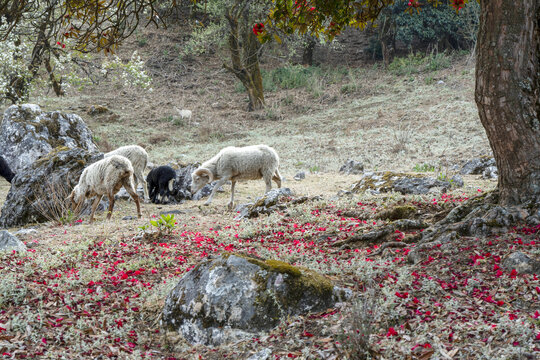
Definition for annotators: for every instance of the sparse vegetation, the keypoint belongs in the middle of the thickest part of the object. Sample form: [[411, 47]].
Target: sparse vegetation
[[97, 291]]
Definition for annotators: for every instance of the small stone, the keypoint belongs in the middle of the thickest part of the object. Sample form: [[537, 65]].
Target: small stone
[[8, 241], [522, 263], [352, 167], [264, 354], [300, 176], [173, 212], [129, 218]]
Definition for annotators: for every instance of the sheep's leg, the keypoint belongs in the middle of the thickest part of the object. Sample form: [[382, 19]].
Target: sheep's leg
[[277, 178], [145, 187], [111, 205], [94, 207], [162, 193], [268, 181], [134, 196], [231, 203], [218, 184]]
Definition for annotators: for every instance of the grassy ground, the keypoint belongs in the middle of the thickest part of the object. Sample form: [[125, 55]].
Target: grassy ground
[[96, 291]]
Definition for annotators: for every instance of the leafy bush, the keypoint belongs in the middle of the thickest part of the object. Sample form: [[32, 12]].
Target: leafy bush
[[435, 25], [438, 27]]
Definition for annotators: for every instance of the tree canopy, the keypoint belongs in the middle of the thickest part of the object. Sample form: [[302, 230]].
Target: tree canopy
[[331, 17]]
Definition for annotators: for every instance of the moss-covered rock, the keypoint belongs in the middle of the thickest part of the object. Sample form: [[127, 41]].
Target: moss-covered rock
[[404, 183], [397, 212], [237, 296]]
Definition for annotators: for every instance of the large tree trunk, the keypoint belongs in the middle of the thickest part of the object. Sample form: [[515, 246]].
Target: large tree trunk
[[507, 93]]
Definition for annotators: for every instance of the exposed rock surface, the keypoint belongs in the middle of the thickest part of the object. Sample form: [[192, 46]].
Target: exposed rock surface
[[27, 133], [477, 166], [182, 185], [522, 263], [352, 167], [235, 297], [46, 181], [265, 204], [10, 242], [401, 182], [300, 176]]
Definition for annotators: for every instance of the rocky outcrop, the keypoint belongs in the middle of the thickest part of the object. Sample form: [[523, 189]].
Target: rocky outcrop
[[43, 184], [27, 133], [236, 296], [403, 183]]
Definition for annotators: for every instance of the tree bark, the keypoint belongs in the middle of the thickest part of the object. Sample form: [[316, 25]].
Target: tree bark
[[507, 94], [245, 64]]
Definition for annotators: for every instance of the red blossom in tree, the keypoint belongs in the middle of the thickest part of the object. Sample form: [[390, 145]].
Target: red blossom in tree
[[457, 4], [258, 28]]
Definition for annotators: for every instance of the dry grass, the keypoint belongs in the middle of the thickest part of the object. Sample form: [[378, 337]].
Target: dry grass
[[387, 122]]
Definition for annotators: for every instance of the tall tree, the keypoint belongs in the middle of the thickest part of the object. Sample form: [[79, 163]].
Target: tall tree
[[507, 75]]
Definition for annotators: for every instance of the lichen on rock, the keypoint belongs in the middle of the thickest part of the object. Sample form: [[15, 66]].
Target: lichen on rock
[[237, 296], [28, 133]]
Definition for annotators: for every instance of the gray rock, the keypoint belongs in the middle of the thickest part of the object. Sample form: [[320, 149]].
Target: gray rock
[[264, 354], [182, 185], [25, 232], [129, 218], [124, 195], [236, 297], [490, 172], [521, 262], [300, 176], [477, 166], [400, 182], [10, 242], [27, 133], [29, 190], [457, 181], [352, 167], [265, 204], [173, 212]]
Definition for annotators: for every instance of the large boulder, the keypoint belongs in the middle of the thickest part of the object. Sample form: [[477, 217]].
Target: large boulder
[[236, 297], [27, 133], [44, 185], [377, 182]]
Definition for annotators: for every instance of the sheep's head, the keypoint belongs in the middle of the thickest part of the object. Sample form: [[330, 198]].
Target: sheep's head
[[200, 178], [76, 197]]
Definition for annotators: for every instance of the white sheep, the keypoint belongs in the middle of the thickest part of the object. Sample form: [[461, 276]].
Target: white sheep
[[139, 159], [184, 114], [105, 177], [237, 163]]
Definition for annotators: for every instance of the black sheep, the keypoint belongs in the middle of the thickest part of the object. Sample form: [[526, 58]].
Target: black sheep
[[5, 171], [160, 184]]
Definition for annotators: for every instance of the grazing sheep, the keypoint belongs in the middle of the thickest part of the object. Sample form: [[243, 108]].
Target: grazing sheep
[[105, 177], [184, 114], [160, 184], [139, 158], [5, 171], [238, 163]]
